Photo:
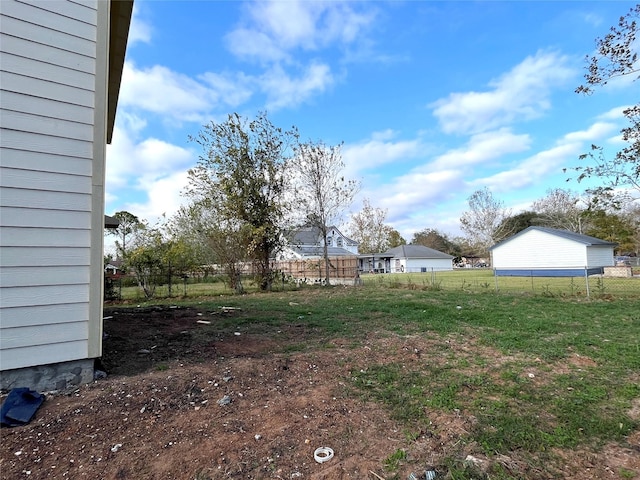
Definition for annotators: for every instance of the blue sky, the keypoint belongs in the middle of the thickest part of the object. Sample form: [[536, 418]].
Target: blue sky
[[433, 100]]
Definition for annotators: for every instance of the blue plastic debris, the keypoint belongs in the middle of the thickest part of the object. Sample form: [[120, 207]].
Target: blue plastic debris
[[19, 407]]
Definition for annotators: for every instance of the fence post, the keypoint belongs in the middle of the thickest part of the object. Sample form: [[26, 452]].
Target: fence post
[[531, 275], [586, 280], [495, 276]]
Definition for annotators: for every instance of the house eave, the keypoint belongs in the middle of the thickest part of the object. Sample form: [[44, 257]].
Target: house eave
[[119, 22]]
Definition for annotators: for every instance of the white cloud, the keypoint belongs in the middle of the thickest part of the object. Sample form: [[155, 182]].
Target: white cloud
[[248, 44], [137, 164], [163, 196], [378, 151], [232, 89], [614, 113], [483, 147], [283, 90], [139, 30], [595, 132], [537, 168], [520, 94], [159, 90], [271, 29], [592, 19], [533, 170]]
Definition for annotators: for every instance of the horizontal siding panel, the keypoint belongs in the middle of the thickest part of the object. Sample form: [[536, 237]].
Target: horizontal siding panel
[[44, 107], [601, 256], [34, 180], [27, 217], [44, 162], [38, 87], [67, 9], [49, 353], [53, 73], [44, 256], [43, 295], [43, 315], [44, 237], [20, 337], [45, 199], [54, 22], [44, 45], [48, 126], [17, 140], [536, 249], [86, 3]]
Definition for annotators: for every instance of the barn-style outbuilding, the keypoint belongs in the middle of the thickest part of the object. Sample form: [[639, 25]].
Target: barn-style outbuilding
[[548, 252]]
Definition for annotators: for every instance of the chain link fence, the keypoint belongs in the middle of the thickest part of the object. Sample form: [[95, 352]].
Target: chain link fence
[[623, 283]]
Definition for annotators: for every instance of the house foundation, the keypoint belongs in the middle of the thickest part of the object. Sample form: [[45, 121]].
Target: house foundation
[[45, 378]]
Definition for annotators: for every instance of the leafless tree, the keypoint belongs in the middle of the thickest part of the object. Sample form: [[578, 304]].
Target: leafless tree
[[322, 192], [484, 222]]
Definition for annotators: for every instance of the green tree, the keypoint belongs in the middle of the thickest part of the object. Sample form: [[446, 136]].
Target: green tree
[[432, 238], [395, 239], [145, 260], [630, 213], [242, 173], [612, 228], [517, 223], [321, 190], [213, 240], [177, 260], [616, 56], [129, 225]]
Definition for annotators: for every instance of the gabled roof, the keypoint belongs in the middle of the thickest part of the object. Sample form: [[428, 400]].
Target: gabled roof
[[317, 251], [305, 236], [566, 234], [416, 251], [312, 236]]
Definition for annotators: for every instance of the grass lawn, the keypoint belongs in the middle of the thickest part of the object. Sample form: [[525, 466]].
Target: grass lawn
[[538, 374]]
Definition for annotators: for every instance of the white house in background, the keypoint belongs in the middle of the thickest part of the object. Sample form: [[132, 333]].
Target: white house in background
[[407, 259], [59, 81], [547, 252], [307, 243]]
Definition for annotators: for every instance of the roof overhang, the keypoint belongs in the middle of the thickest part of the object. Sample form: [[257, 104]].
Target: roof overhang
[[111, 222], [119, 22]]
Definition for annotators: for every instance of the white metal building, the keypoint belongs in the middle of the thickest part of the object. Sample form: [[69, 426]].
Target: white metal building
[[547, 252]]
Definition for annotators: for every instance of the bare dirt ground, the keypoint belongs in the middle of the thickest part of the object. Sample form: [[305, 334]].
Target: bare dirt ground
[[184, 401]]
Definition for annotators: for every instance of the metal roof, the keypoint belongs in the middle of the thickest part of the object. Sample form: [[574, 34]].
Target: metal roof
[[416, 251], [576, 237]]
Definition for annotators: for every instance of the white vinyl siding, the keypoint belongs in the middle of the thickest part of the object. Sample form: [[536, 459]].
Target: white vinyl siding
[[431, 264], [35, 354], [536, 249], [17, 197], [41, 315], [27, 276], [44, 162], [600, 256], [48, 69], [541, 250]]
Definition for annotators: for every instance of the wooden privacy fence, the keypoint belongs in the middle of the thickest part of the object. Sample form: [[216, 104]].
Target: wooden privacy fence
[[341, 269]]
